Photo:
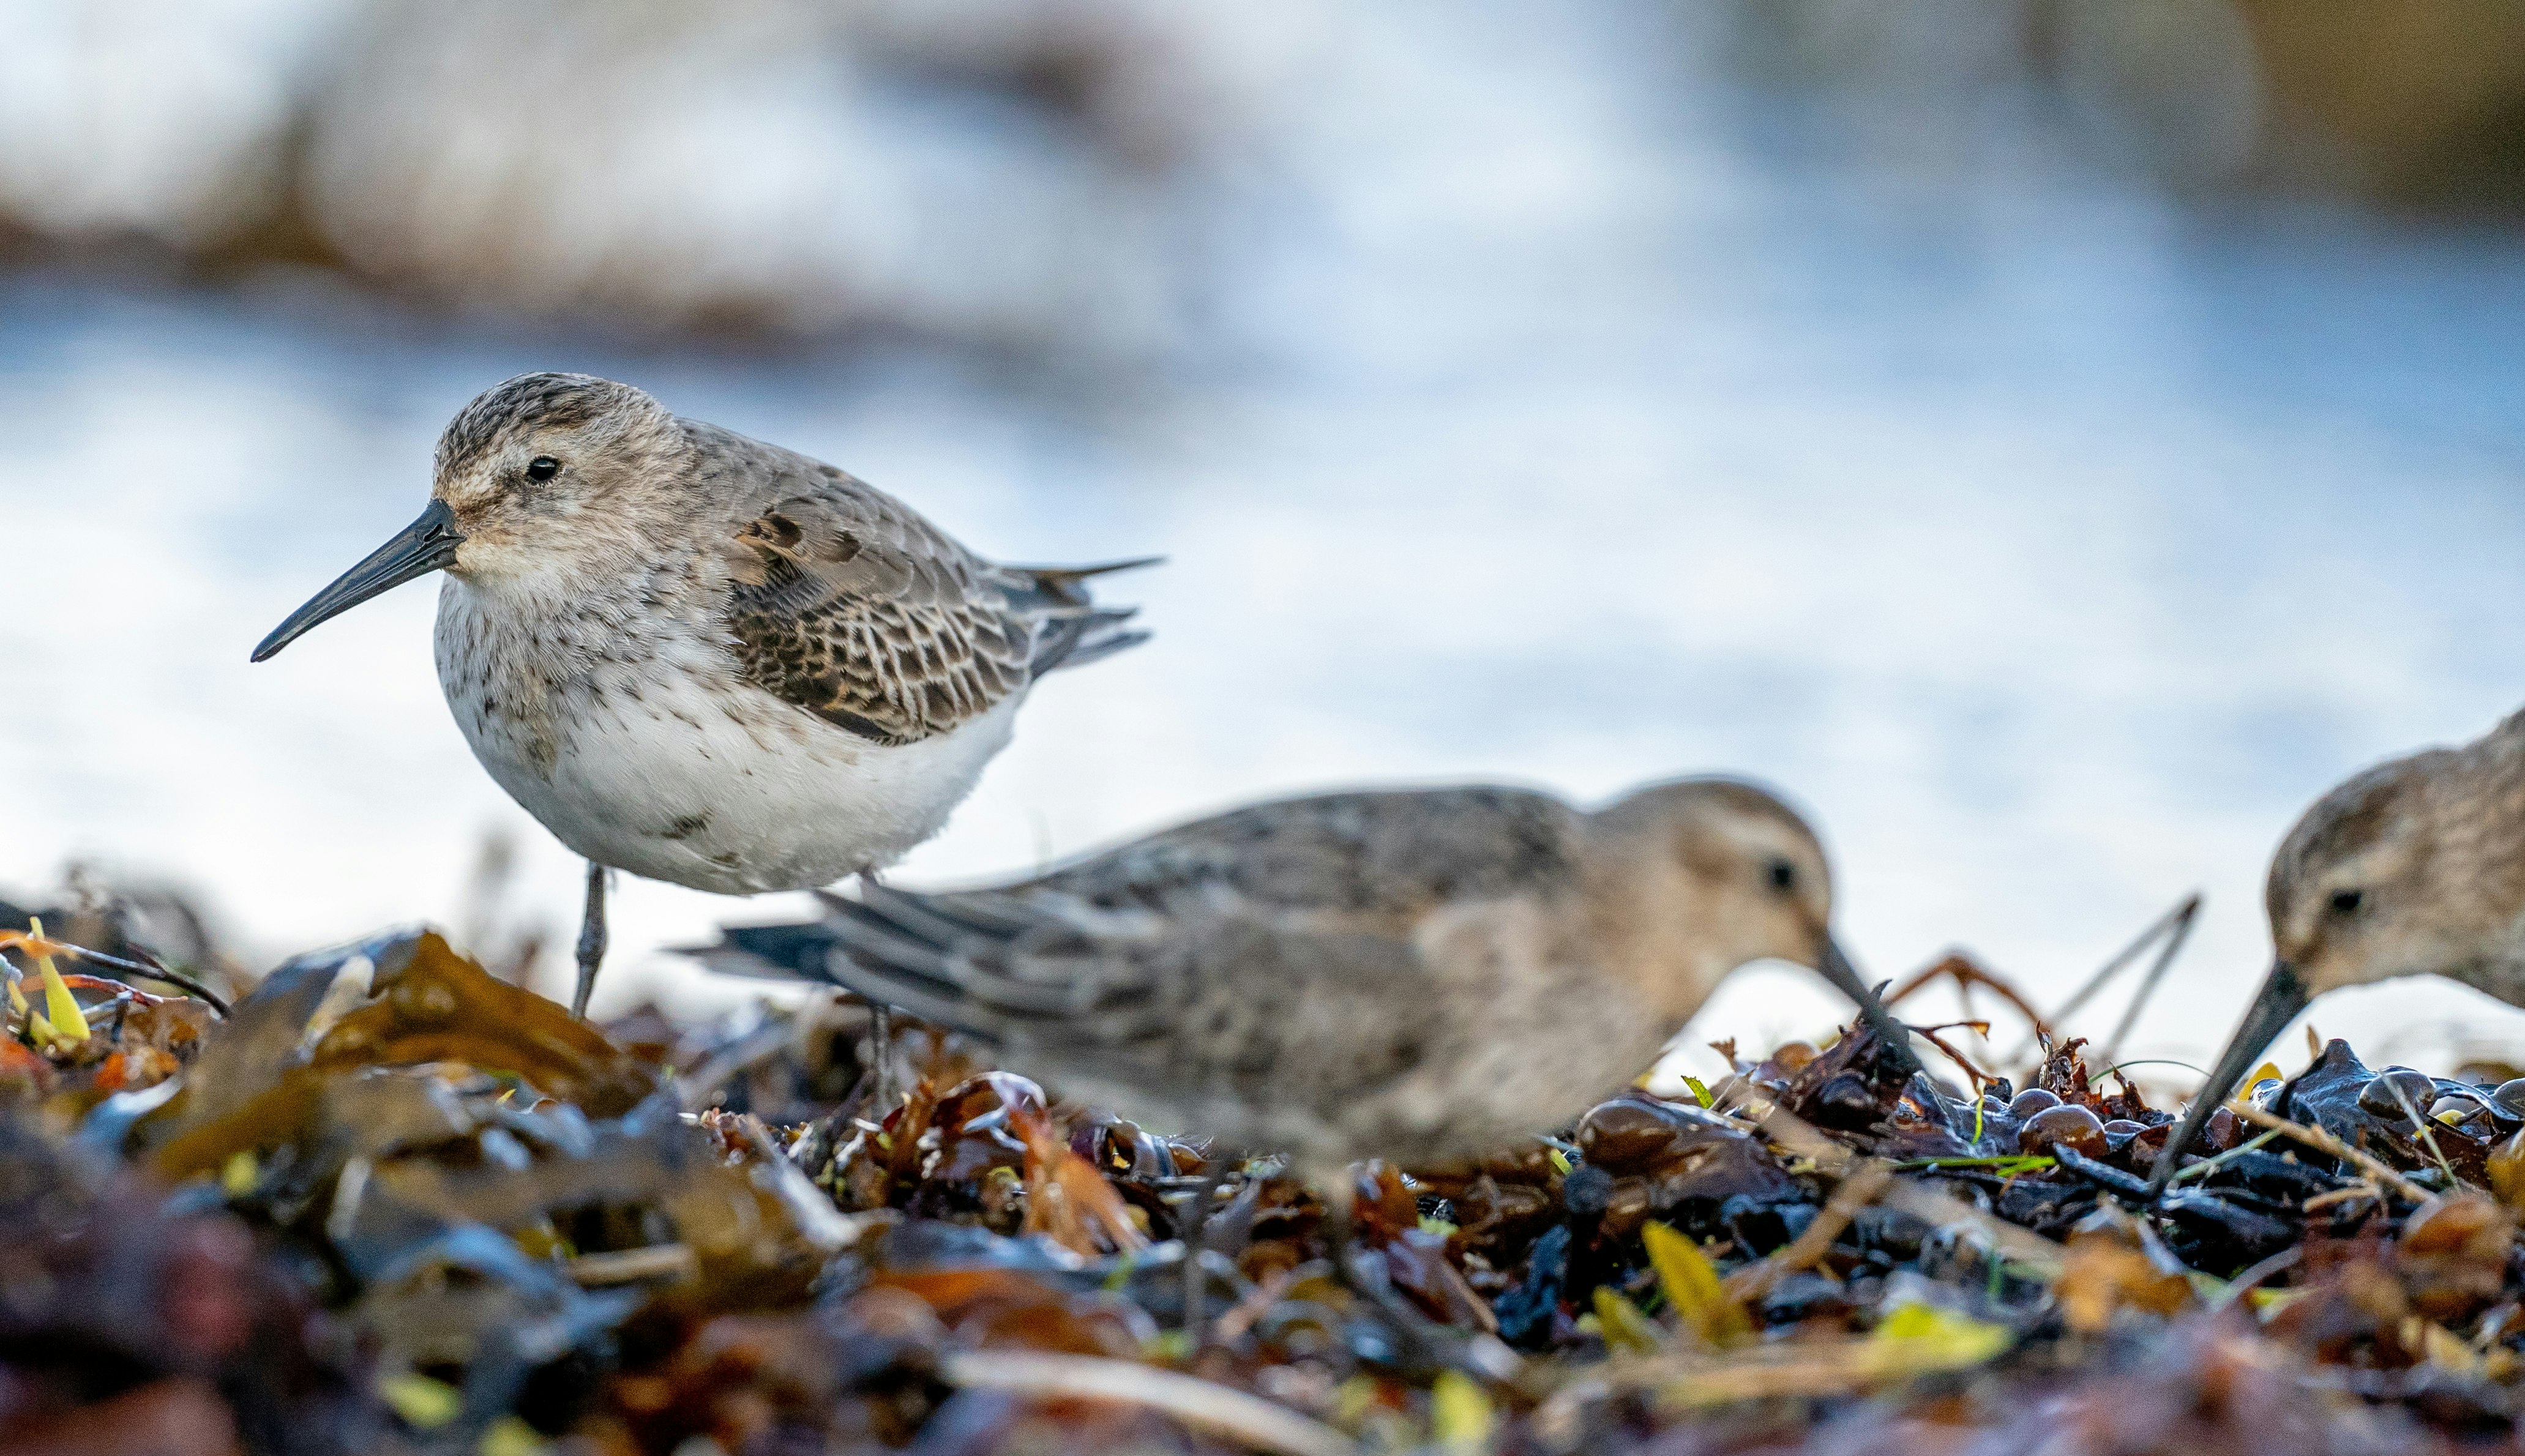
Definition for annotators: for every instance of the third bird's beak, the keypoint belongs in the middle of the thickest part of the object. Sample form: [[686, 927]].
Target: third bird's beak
[[427, 545], [1836, 968], [2275, 1005]]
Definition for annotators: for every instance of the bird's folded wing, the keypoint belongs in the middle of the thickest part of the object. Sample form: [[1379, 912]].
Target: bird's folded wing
[[1369, 860], [847, 604], [1228, 998]]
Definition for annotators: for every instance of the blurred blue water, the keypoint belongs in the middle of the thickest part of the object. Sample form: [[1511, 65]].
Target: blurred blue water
[[2052, 542]]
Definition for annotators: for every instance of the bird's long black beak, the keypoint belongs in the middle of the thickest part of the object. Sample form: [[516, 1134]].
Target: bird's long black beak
[[1836, 968], [427, 545], [2275, 1005]]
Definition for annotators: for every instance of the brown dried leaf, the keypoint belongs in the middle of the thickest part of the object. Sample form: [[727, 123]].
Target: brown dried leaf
[[2105, 1275], [430, 1005], [1067, 1199]]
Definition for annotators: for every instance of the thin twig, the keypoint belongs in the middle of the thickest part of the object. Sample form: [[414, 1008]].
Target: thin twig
[[2363, 1188], [2419, 1125], [729, 1062], [1980, 1078], [1928, 1204], [2238, 1286], [1964, 973], [814, 1213], [631, 1266], [1206, 1405], [1255, 1305], [151, 972], [2115, 1070], [2322, 1140], [758, 1136], [1855, 1192], [2206, 1166]]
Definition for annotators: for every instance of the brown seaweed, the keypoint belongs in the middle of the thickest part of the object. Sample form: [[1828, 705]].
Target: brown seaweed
[[392, 1203]]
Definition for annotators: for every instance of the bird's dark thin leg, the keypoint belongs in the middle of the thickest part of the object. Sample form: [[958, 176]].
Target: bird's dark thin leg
[[591, 940], [880, 1044], [880, 1059], [1196, 1318]]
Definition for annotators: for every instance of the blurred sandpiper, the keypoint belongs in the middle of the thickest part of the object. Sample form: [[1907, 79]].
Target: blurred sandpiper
[[2414, 867], [707, 659], [1424, 976]]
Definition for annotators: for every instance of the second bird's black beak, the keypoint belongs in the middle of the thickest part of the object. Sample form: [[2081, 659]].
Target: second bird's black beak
[[1836, 968], [2275, 1005], [427, 545]]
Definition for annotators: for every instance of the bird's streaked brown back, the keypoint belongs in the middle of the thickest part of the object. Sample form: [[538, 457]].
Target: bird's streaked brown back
[[849, 605]]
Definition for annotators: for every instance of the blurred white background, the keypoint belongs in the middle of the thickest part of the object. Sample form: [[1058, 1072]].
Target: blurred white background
[[2052, 451]]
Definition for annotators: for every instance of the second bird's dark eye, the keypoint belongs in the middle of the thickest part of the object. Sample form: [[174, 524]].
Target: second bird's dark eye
[[1784, 875], [542, 467], [2347, 901]]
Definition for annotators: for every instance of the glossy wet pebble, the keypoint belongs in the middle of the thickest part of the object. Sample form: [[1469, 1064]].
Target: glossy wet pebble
[[2394, 1089], [1793, 1057], [2073, 1128], [1630, 1133]]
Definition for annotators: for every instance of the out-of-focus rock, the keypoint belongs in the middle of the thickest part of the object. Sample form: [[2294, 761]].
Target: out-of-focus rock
[[2398, 105], [141, 117], [1001, 171]]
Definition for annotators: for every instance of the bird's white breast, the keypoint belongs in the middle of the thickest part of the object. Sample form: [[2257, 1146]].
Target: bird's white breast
[[631, 737]]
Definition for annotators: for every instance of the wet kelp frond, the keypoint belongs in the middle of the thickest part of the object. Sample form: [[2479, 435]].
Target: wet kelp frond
[[394, 1203]]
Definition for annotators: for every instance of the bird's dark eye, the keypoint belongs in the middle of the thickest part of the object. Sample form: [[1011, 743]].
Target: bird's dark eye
[[1784, 875], [542, 467], [2347, 901]]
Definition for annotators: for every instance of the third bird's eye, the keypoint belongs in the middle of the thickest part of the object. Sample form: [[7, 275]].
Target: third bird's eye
[[1784, 875], [2347, 901], [542, 467]]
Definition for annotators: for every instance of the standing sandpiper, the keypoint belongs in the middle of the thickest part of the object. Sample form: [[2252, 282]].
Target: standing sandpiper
[[707, 659], [2414, 867]]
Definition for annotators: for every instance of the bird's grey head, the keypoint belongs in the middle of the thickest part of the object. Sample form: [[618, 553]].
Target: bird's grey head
[[2399, 871], [1715, 872], [543, 474], [542, 465], [1697, 877], [2409, 868]]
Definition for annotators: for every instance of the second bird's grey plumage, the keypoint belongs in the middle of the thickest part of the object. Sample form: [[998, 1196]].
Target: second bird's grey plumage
[[2415, 867], [1421, 975]]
